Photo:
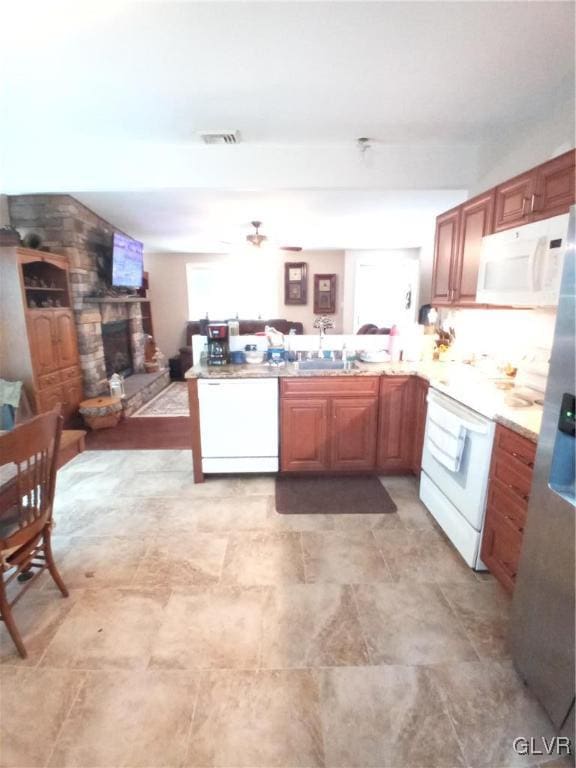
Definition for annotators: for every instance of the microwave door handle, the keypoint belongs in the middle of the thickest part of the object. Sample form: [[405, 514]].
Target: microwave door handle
[[536, 263]]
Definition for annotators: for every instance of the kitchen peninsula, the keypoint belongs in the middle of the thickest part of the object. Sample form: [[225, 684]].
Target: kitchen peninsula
[[374, 412]]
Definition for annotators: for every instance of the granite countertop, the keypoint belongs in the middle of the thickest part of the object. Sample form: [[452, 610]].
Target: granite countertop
[[463, 383]]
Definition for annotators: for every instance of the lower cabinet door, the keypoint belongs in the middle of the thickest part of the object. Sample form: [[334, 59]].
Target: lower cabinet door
[[73, 396], [304, 430], [420, 405], [500, 550], [396, 424], [47, 399], [354, 423]]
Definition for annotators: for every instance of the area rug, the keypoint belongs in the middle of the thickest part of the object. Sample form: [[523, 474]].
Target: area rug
[[172, 401], [361, 495]]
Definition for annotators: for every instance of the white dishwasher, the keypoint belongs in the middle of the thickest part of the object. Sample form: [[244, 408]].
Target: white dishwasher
[[239, 425]]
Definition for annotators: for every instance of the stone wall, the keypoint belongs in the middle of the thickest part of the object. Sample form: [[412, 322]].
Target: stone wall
[[66, 226]]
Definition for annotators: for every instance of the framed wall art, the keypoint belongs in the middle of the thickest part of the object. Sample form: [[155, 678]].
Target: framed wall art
[[295, 282], [324, 294]]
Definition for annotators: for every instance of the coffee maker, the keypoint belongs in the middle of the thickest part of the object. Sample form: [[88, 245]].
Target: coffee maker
[[217, 343]]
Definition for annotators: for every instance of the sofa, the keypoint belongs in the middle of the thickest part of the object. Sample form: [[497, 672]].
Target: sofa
[[247, 328]]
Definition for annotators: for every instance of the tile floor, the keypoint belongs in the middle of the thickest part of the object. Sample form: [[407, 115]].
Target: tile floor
[[204, 629]]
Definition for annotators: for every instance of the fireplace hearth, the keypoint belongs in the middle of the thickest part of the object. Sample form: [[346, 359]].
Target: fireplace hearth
[[117, 348]]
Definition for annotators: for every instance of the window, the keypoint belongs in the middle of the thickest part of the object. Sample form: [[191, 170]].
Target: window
[[246, 286]]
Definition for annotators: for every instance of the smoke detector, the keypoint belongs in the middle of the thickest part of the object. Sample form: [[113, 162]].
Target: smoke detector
[[220, 137]]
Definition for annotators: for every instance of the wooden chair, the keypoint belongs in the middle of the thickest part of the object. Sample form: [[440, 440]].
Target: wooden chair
[[28, 465]]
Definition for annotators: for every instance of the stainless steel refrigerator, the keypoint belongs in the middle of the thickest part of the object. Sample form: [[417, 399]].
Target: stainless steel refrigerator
[[543, 640]]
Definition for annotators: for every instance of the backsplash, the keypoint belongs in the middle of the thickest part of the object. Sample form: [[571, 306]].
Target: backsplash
[[505, 334]]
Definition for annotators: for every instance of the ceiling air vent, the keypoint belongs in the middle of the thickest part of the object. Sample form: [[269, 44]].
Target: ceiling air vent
[[220, 137]]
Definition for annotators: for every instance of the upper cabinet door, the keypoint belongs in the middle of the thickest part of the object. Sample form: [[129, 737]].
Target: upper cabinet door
[[66, 338], [477, 216], [353, 433], [43, 341], [514, 199], [445, 252], [555, 188]]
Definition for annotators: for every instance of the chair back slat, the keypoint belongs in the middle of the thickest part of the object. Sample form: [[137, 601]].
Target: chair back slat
[[29, 459]]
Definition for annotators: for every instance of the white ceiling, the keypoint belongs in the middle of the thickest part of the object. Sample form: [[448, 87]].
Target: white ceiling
[[208, 221], [103, 98]]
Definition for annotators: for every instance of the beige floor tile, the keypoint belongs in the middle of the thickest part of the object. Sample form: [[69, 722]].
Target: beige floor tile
[[106, 517], [401, 486], [265, 718], [389, 521], [414, 515], [343, 557], [262, 558], [233, 513], [410, 623], [212, 628], [484, 611], [37, 614], [490, 707], [33, 706], [191, 559], [385, 716], [129, 719], [422, 555], [309, 625], [94, 562], [108, 628]]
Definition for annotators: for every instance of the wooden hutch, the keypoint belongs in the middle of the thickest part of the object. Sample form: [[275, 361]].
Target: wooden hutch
[[38, 343]]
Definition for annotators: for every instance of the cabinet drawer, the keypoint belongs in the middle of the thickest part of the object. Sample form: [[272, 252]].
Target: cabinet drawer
[[341, 386], [500, 552], [67, 374], [516, 446], [505, 502], [513, 474], [49, 380], [49, 398]]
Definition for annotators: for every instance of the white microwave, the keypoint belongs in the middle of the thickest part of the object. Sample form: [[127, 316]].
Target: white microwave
[[522, 267]]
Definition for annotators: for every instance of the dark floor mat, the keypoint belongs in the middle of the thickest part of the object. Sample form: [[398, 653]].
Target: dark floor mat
[[363, 495]]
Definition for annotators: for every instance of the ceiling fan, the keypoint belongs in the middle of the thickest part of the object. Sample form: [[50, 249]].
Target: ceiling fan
[[257, 239]]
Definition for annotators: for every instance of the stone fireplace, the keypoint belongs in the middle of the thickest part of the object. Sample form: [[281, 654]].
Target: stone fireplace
[[66, 226]]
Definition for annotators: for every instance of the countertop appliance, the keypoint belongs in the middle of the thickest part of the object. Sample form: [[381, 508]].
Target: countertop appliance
[[543, 637], [217, 343], [455, 468], [522, 267], [239, 425]]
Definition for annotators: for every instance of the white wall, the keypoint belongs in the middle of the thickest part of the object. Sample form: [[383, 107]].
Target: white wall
[[520, 150], [169, 297]]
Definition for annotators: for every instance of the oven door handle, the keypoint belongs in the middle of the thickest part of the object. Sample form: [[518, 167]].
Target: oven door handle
[[468, 421]]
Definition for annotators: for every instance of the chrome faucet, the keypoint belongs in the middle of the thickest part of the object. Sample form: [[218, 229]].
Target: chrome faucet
[[322, 323]]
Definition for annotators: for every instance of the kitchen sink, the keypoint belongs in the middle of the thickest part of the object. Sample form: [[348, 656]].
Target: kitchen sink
[[325, 365]]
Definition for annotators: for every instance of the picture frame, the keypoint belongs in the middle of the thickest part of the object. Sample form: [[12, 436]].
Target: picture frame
[[295, 282], [325, 294]]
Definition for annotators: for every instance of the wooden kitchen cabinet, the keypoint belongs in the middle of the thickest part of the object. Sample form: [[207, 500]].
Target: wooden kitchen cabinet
[[353, 434], [396, 424], [476, 221], [545, 191], [459, 234], [555, 186], [445, 251], [328, 424], [420, 410], [304, 435], [508, 496], [513, 201]]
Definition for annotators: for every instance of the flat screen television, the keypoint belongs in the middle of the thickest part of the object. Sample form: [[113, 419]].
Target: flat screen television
[[127, 262]]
